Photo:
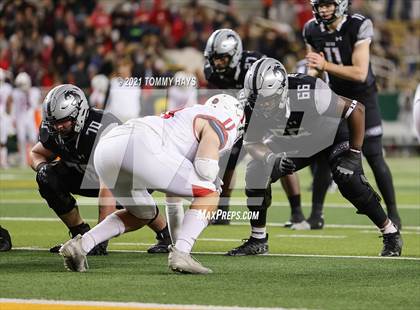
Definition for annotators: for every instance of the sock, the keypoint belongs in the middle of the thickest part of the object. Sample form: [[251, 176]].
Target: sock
[[79, 229], [174, 216], [110, 227], [163, 234], [258, 232], [295, 205], [3, 156], [193, 224], [389, 228]]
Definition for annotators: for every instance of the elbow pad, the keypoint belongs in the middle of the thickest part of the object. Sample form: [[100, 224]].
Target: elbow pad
[[207, 168]]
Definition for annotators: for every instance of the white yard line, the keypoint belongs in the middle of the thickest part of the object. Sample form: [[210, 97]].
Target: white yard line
[[272, 255], [234, 201], [106, 304], [55, 219]]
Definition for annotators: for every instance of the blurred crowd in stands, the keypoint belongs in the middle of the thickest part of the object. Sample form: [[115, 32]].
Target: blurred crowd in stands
[[71, 41]]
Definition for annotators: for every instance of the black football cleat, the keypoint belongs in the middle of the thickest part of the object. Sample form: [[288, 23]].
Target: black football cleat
[[161, 246], [56, 248], [5, 240], [316, 222], [251, 246], [99, 250], [392, 244]]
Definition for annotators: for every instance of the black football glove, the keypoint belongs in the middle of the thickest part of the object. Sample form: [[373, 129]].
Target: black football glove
[[347, 165], [44, 170], [280, 163]]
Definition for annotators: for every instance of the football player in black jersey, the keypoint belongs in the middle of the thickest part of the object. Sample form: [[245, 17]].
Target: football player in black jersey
[[70, 130], [294, 119], [225, 68], [5, 240], [338, 44]]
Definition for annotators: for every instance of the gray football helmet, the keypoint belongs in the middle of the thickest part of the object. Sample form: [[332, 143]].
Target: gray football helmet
[[266, 87], [65, 102], [341, 8], [224, 42]]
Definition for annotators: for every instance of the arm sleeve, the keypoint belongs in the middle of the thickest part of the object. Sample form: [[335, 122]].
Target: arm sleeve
[[365, 31], [325, 99]]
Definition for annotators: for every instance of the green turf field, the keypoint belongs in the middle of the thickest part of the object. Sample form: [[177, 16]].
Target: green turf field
[[333, 268]]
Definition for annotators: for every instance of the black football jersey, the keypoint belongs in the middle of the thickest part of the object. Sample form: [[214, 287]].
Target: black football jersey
[[338, 47], [232, 78], [76, 153], [309, 125]]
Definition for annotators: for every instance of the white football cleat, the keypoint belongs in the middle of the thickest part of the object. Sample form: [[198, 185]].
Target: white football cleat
[[74, 256], [304, 225], [183, 262]]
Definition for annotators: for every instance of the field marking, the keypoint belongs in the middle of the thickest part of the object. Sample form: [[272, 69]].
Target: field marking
[[410, 258], [43, 304], [234, 202], [56, 219], [311, 236]]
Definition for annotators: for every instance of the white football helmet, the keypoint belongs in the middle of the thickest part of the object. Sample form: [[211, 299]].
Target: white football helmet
[[266, 86], [341, 8], [63, 102], [232, 106], [224, 42], [23, 81]]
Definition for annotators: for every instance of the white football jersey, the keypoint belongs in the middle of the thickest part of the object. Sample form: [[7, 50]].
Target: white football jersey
[[5, 92], [25, 101], [176, 128]]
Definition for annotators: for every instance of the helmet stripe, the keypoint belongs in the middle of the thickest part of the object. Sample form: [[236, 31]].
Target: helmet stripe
[[254, 78]]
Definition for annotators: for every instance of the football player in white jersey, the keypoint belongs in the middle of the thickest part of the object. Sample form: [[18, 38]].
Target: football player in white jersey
[[25, 100], [416, 112], [5, 120], [177, 154]]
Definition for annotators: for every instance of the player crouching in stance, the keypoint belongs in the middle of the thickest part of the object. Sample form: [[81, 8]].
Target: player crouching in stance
[[176, 154], [302, 117]]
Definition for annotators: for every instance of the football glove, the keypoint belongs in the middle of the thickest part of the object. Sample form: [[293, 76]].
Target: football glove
[[280, 164], [347, 165]]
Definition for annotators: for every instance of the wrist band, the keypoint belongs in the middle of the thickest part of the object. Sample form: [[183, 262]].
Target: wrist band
[[350, 109], [355, 151]]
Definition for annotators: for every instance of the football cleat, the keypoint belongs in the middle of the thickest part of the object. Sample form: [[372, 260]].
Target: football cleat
[[182, 262], [5, 240], [295, 218], [304, 225], [161, 246], [316, 222], [251, 246], [99, 250], [73, 255], [392, 244]]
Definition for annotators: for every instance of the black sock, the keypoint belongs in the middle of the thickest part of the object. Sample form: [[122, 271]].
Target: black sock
[[163, 234], [297, 214], [262, 217], [79, 229]]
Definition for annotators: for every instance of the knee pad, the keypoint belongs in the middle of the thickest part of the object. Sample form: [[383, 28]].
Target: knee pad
[[258, 199], [359, 192], [57, 198], [143, 212]]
